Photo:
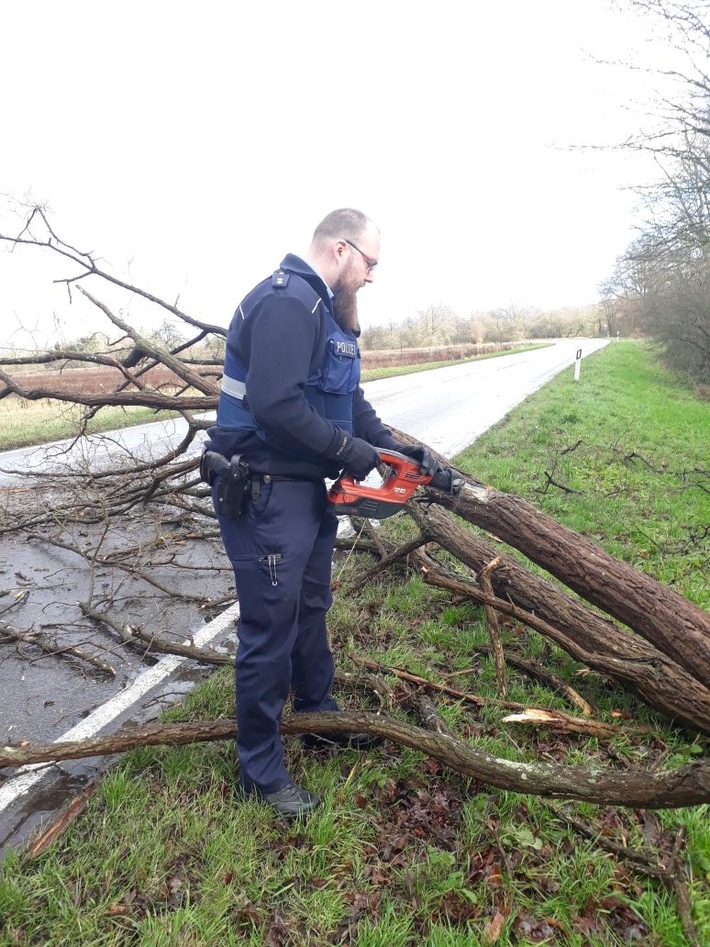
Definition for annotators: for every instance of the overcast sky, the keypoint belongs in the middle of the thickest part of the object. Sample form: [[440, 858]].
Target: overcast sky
[[191, 146]]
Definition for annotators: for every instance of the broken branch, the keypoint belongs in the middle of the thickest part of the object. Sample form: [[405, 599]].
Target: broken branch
[[686, 786]]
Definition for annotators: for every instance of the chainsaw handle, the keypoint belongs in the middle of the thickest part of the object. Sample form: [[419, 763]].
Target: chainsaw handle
[[443, 478], [392, 457], [402, 468]]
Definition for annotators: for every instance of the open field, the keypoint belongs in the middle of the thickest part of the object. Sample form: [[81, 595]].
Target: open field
[[25, 423], [403, 852]]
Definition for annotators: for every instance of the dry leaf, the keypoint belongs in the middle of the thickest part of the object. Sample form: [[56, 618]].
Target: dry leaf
[[494, 927]]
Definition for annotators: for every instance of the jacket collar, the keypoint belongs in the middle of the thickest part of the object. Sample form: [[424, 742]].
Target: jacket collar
[[294, 264]]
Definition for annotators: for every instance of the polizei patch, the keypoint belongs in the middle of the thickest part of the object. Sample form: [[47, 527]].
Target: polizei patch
[[341, 347]]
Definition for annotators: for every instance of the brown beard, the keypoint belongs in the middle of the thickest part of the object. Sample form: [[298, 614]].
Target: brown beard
[[345, 310]]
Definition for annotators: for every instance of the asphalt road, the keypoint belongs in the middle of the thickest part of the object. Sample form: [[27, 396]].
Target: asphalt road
[[46, 700], [448, 408]]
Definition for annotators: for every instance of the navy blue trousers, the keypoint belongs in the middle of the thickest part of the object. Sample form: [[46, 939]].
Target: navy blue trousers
[[281, 550]]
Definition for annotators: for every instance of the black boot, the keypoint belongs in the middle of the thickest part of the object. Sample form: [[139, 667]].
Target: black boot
[[291, 800]]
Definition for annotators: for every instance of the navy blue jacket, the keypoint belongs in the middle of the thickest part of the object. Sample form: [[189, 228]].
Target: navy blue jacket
[[277, 344]]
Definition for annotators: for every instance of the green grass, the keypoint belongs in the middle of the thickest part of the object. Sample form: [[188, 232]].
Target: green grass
[[632, 442], [403, 852]]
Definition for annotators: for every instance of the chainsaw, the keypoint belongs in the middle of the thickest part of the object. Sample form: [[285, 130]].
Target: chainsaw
[[403, 476]]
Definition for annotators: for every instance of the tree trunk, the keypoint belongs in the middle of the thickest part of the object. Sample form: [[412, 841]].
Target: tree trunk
[[674, 625], [585, 634]]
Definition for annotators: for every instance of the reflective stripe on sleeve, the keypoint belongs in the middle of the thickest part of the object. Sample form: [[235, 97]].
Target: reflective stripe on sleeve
[[237, 389]]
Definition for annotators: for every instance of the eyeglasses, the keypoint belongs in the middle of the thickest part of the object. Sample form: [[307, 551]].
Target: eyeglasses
[[371, 264]]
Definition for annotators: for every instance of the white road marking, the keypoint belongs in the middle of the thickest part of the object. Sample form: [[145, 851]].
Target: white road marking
[[29, 776]]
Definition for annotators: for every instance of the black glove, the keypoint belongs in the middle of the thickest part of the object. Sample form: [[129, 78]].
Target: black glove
[[426, 461], [357, 457], [445, 479]]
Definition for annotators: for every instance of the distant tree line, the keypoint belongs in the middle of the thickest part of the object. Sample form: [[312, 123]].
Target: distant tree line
[[661, 284], [439, 325]]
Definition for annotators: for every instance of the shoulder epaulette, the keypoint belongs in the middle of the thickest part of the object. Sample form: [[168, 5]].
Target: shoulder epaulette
[[279, 279]]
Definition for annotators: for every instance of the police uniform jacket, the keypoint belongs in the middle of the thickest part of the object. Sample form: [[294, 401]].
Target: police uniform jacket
[[291, 386]]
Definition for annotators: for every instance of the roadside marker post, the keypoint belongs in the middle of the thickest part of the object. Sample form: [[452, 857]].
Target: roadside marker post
[[577, 364]]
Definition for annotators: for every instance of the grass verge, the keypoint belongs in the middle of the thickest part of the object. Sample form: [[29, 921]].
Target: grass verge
[[28, 423], [403, 852], [621, 456]]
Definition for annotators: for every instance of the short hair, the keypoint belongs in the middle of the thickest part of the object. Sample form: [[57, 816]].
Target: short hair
[[344, 222]]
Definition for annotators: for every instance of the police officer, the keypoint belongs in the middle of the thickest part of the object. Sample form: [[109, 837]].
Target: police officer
[[291, 406]]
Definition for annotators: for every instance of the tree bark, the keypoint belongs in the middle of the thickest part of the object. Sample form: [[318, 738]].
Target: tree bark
[[583, 633], [674, 625], [688, 785]]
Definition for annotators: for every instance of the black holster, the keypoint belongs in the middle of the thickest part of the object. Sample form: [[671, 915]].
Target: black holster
[[234, 479]]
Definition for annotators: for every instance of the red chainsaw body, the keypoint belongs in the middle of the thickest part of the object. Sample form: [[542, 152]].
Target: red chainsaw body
[[401, 479]]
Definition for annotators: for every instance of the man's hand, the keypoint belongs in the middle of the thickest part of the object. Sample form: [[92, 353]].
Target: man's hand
[[422, 456], [443, 478], [357, 457]]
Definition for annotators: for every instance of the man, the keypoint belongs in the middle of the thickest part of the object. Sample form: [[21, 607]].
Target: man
[[292, 407]]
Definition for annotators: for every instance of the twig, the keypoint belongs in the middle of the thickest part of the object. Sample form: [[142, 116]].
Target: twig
[[551, 482], [672, 873], [383, 564], [50, 647], [484, 580], [345, 545], [373, 682], [134, 635], [432, 685], [680, 887], [535, 670], [58, 826], [644, 862], [375, 538], [130, 569], [558, 720], [206, 656]]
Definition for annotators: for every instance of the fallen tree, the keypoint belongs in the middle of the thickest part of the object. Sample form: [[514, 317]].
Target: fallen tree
[[677, 627], [581, 631], [658, 789]]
